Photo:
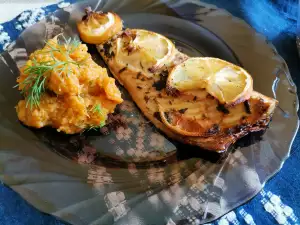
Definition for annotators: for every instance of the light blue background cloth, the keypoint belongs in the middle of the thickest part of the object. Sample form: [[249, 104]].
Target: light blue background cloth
[[279, 201]]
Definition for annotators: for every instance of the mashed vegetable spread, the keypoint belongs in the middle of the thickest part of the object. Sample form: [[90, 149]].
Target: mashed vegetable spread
[[64, 88]]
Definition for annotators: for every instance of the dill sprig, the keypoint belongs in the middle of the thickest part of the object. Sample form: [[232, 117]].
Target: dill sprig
[[97, 127], [97, 109], [33, 86]]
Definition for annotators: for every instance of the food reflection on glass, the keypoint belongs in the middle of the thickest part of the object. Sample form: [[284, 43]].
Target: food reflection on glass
[[65, 89], [204, 101]]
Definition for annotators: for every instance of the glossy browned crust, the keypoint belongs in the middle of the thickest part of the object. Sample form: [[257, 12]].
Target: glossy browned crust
[[145, 95]]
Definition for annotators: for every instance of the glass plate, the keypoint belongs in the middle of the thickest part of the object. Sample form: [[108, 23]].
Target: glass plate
[[130, 173]]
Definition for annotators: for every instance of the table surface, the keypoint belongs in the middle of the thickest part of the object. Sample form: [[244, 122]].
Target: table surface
[[285, 185]]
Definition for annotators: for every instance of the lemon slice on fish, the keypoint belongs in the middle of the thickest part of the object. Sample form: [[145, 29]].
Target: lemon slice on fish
[[144, 51], [192, 74], [186, 117], [228, 83], [155, 46]]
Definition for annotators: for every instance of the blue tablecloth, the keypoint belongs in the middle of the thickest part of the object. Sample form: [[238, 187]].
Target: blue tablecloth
[[278, 202]]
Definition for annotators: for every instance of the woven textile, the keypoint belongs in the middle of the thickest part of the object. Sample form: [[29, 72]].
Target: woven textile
[[278, 202]]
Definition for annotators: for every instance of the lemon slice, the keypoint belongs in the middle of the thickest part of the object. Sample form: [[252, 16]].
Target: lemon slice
[[192, 74], [230, 85], [188, 117], [98, 27], [225, 81], [181, 125], [182, 122], [144, 51], [154, 46]]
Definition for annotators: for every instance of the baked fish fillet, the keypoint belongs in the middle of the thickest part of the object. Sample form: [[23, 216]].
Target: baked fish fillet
[[218, 126]]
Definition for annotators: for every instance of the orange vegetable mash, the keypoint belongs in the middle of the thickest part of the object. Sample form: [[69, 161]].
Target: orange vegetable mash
[[77, 93]]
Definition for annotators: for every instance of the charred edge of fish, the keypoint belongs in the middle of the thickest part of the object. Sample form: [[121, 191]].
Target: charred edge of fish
[[166, 114], [261, 106], [139, 87], [172, 91], [106, 48], [222, 109], [138, 75], [263, 122], [128, 33], [182, 111], [214, 129], [157, 116], [243, 118], [164, 73], [195, 98], [146, 98], [247, 107], [237, 129], [230, 131], [240, 128], [141, 65], [152, 69], [160, 84], [115, 36], [130, 49], [123, 69], [170, 102], [208, 96]]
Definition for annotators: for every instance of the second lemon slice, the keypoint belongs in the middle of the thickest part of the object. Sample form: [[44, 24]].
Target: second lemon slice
[[230, 85], [225, 81]]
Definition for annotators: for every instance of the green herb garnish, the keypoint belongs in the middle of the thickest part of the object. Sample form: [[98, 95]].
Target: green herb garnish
[[102, 124], [97, 109], [38, 72]]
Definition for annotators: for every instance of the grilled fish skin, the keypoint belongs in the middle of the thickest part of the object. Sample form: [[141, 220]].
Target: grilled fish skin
[[220, 127]]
